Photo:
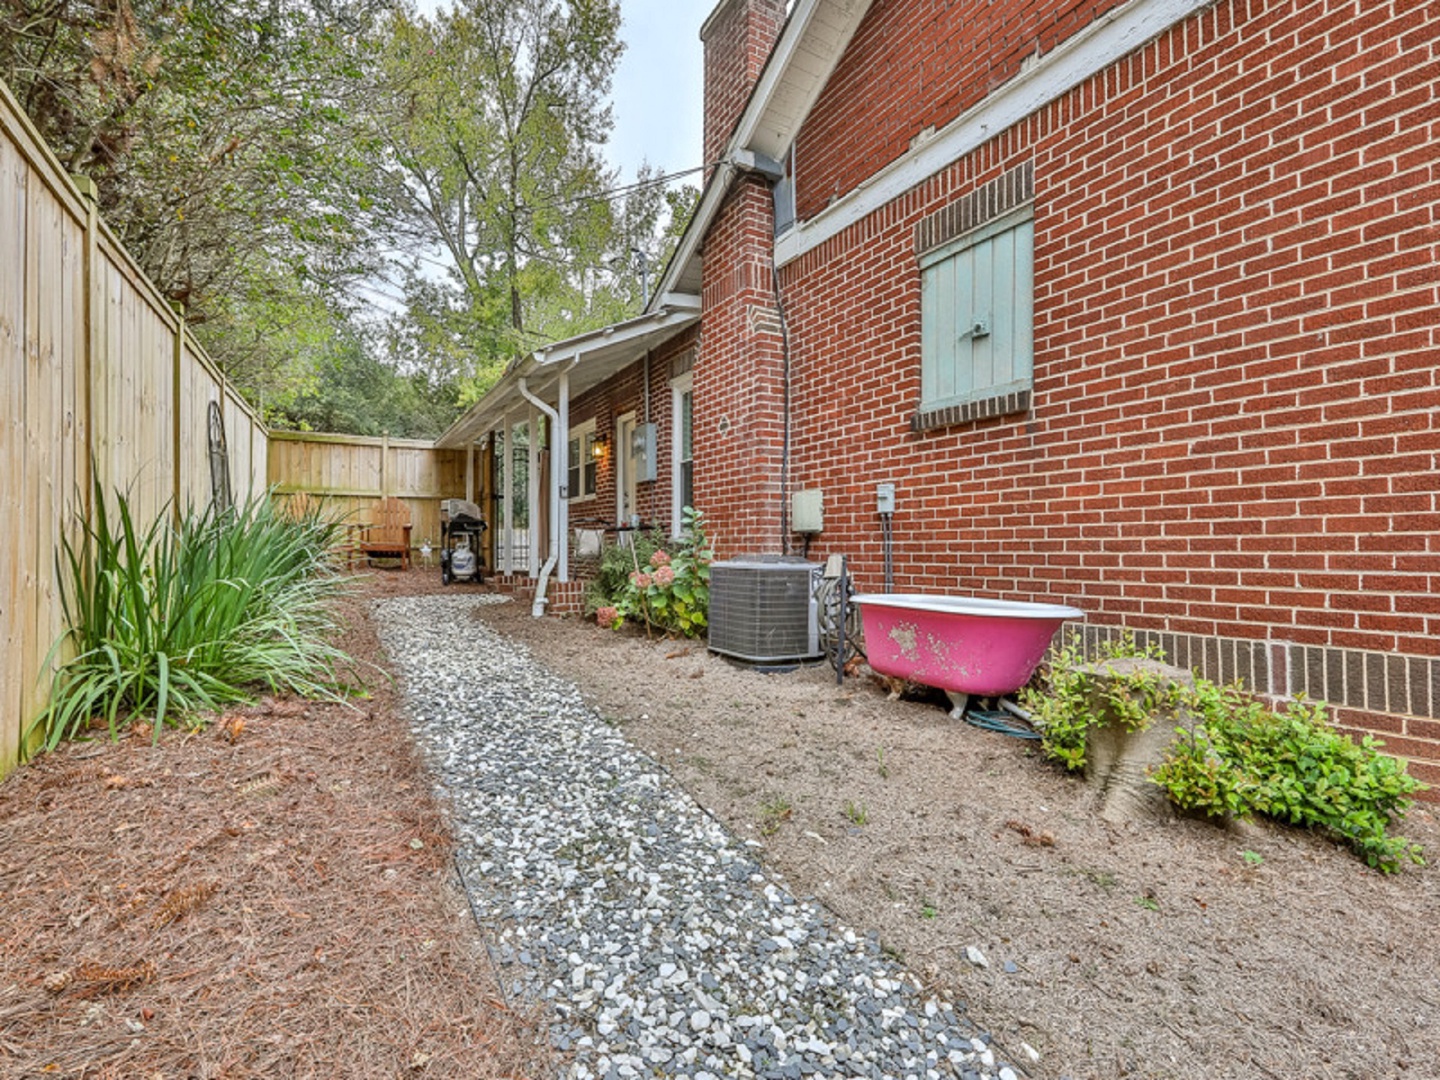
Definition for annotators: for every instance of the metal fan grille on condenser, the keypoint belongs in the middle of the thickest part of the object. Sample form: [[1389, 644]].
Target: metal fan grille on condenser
[[763, 610]]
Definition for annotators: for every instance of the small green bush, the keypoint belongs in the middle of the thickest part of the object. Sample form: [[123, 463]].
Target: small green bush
[[170, 620], [1240, 758], [667, 589], [1291, 766], [617, 563], [1065, 709]]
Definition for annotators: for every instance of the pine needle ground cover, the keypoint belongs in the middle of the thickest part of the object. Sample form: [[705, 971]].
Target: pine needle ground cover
[[269, 897]]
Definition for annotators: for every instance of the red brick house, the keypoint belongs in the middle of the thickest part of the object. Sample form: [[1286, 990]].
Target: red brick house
[[1134, 303]]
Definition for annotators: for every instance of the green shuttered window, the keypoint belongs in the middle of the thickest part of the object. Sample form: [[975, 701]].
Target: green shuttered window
[[977, 304]]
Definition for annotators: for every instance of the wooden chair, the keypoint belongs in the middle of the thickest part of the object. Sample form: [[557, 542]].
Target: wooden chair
[[388, 533]]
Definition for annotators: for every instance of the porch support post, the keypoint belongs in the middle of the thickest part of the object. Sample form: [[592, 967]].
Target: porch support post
[[470, 449], [507, 502], [533, 484]]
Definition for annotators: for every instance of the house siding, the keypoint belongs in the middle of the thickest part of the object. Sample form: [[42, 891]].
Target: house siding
[[1233, 438], [916, 66], [738, 379]]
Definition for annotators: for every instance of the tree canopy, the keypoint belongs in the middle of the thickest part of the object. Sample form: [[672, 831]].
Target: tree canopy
[[366, 211]]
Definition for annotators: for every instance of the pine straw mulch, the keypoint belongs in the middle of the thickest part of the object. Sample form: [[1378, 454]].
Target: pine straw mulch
[[273, 896]]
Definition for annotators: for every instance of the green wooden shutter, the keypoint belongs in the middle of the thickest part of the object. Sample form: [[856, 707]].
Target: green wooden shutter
[[977, 314]]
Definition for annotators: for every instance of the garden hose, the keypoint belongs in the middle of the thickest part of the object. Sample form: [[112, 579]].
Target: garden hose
[[839, 647], [1000, 722]]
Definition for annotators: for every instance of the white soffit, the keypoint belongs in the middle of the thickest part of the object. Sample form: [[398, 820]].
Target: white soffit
[[811, 45], [1106, 41]]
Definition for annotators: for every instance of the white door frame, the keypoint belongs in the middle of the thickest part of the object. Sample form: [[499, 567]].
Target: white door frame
[[625, 480]]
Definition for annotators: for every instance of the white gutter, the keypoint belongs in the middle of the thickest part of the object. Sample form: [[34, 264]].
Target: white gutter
[[537, 608], [560, 467]]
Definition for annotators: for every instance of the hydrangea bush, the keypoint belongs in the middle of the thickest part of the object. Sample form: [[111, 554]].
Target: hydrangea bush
[[667, 587]]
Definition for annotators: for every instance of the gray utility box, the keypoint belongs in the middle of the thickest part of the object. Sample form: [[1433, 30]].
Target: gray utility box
[[763, 609]]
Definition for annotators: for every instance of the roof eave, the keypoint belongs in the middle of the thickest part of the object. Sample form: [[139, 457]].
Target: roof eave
[[781, 100]]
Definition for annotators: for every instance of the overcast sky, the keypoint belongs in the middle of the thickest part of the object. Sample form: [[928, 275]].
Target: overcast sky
[[657, 88]]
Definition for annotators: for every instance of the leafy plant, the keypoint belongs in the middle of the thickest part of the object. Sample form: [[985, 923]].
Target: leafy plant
[[928, 910], [1077, 697], [1252, 858], [664, 587], [856, 812], [1239, 757], [880, 766], [774, 812], [1291, 766], [170, 620]]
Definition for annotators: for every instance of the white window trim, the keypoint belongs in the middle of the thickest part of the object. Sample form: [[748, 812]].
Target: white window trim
[[679, 387], [580, 433]]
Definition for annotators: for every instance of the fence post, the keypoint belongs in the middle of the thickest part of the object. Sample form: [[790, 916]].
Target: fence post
[[177, 360], [92, 356]]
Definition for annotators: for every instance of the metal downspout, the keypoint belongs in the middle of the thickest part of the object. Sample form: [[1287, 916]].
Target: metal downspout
[[537, 607]]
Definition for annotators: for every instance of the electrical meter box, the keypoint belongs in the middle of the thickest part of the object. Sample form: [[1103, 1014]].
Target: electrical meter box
[[807, 511], [885, 498]]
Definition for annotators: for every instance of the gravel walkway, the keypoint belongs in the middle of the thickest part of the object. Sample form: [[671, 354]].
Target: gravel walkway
[[663, 946]]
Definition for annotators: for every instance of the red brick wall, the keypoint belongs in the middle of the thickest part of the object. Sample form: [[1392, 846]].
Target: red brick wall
[[1235, 428], [739, 37], [737, 378], [614, 398], [915, 65]]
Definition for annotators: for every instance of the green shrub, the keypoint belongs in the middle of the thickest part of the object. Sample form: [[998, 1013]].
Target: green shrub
[[1291, 766], [1065, 709], [664, 587], [174, 620], [1239, 757], [617, 563]]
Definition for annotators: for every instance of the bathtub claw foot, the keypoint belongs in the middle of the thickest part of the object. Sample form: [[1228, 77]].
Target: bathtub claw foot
[[958, 701]]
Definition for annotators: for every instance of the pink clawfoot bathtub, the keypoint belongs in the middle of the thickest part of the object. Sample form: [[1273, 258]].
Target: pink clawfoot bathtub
[[966, 646]]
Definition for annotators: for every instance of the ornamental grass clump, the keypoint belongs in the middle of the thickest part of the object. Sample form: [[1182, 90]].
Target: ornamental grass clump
[[174, 620]]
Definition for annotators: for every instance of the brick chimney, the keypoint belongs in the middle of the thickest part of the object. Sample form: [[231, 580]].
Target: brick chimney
[[738, 37]]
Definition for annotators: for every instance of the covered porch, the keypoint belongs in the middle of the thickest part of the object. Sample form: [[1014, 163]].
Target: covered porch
[[580, 442]]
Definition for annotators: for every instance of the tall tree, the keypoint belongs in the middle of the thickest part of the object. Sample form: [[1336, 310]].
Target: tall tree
[[495, 119], [224, 140]]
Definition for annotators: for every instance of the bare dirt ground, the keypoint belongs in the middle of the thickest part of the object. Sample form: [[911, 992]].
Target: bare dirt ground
[[272, 897], [284, 904], [1178, 950]]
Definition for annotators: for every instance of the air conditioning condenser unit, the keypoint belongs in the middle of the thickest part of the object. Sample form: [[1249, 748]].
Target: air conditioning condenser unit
[[763, 609]]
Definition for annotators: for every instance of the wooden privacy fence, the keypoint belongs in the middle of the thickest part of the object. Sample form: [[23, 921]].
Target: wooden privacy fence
[[94, 365], [348, 473]]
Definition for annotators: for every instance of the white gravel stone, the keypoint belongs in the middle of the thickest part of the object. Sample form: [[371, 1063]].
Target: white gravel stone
[[656, 938]]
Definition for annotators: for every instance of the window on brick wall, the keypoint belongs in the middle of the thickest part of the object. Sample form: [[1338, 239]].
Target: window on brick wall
[[977, 302], [584, 470]]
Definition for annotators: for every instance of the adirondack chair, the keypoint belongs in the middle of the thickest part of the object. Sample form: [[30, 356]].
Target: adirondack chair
[[388, 533]]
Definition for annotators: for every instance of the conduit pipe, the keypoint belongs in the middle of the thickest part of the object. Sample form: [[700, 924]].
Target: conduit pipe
[[537, 607]]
